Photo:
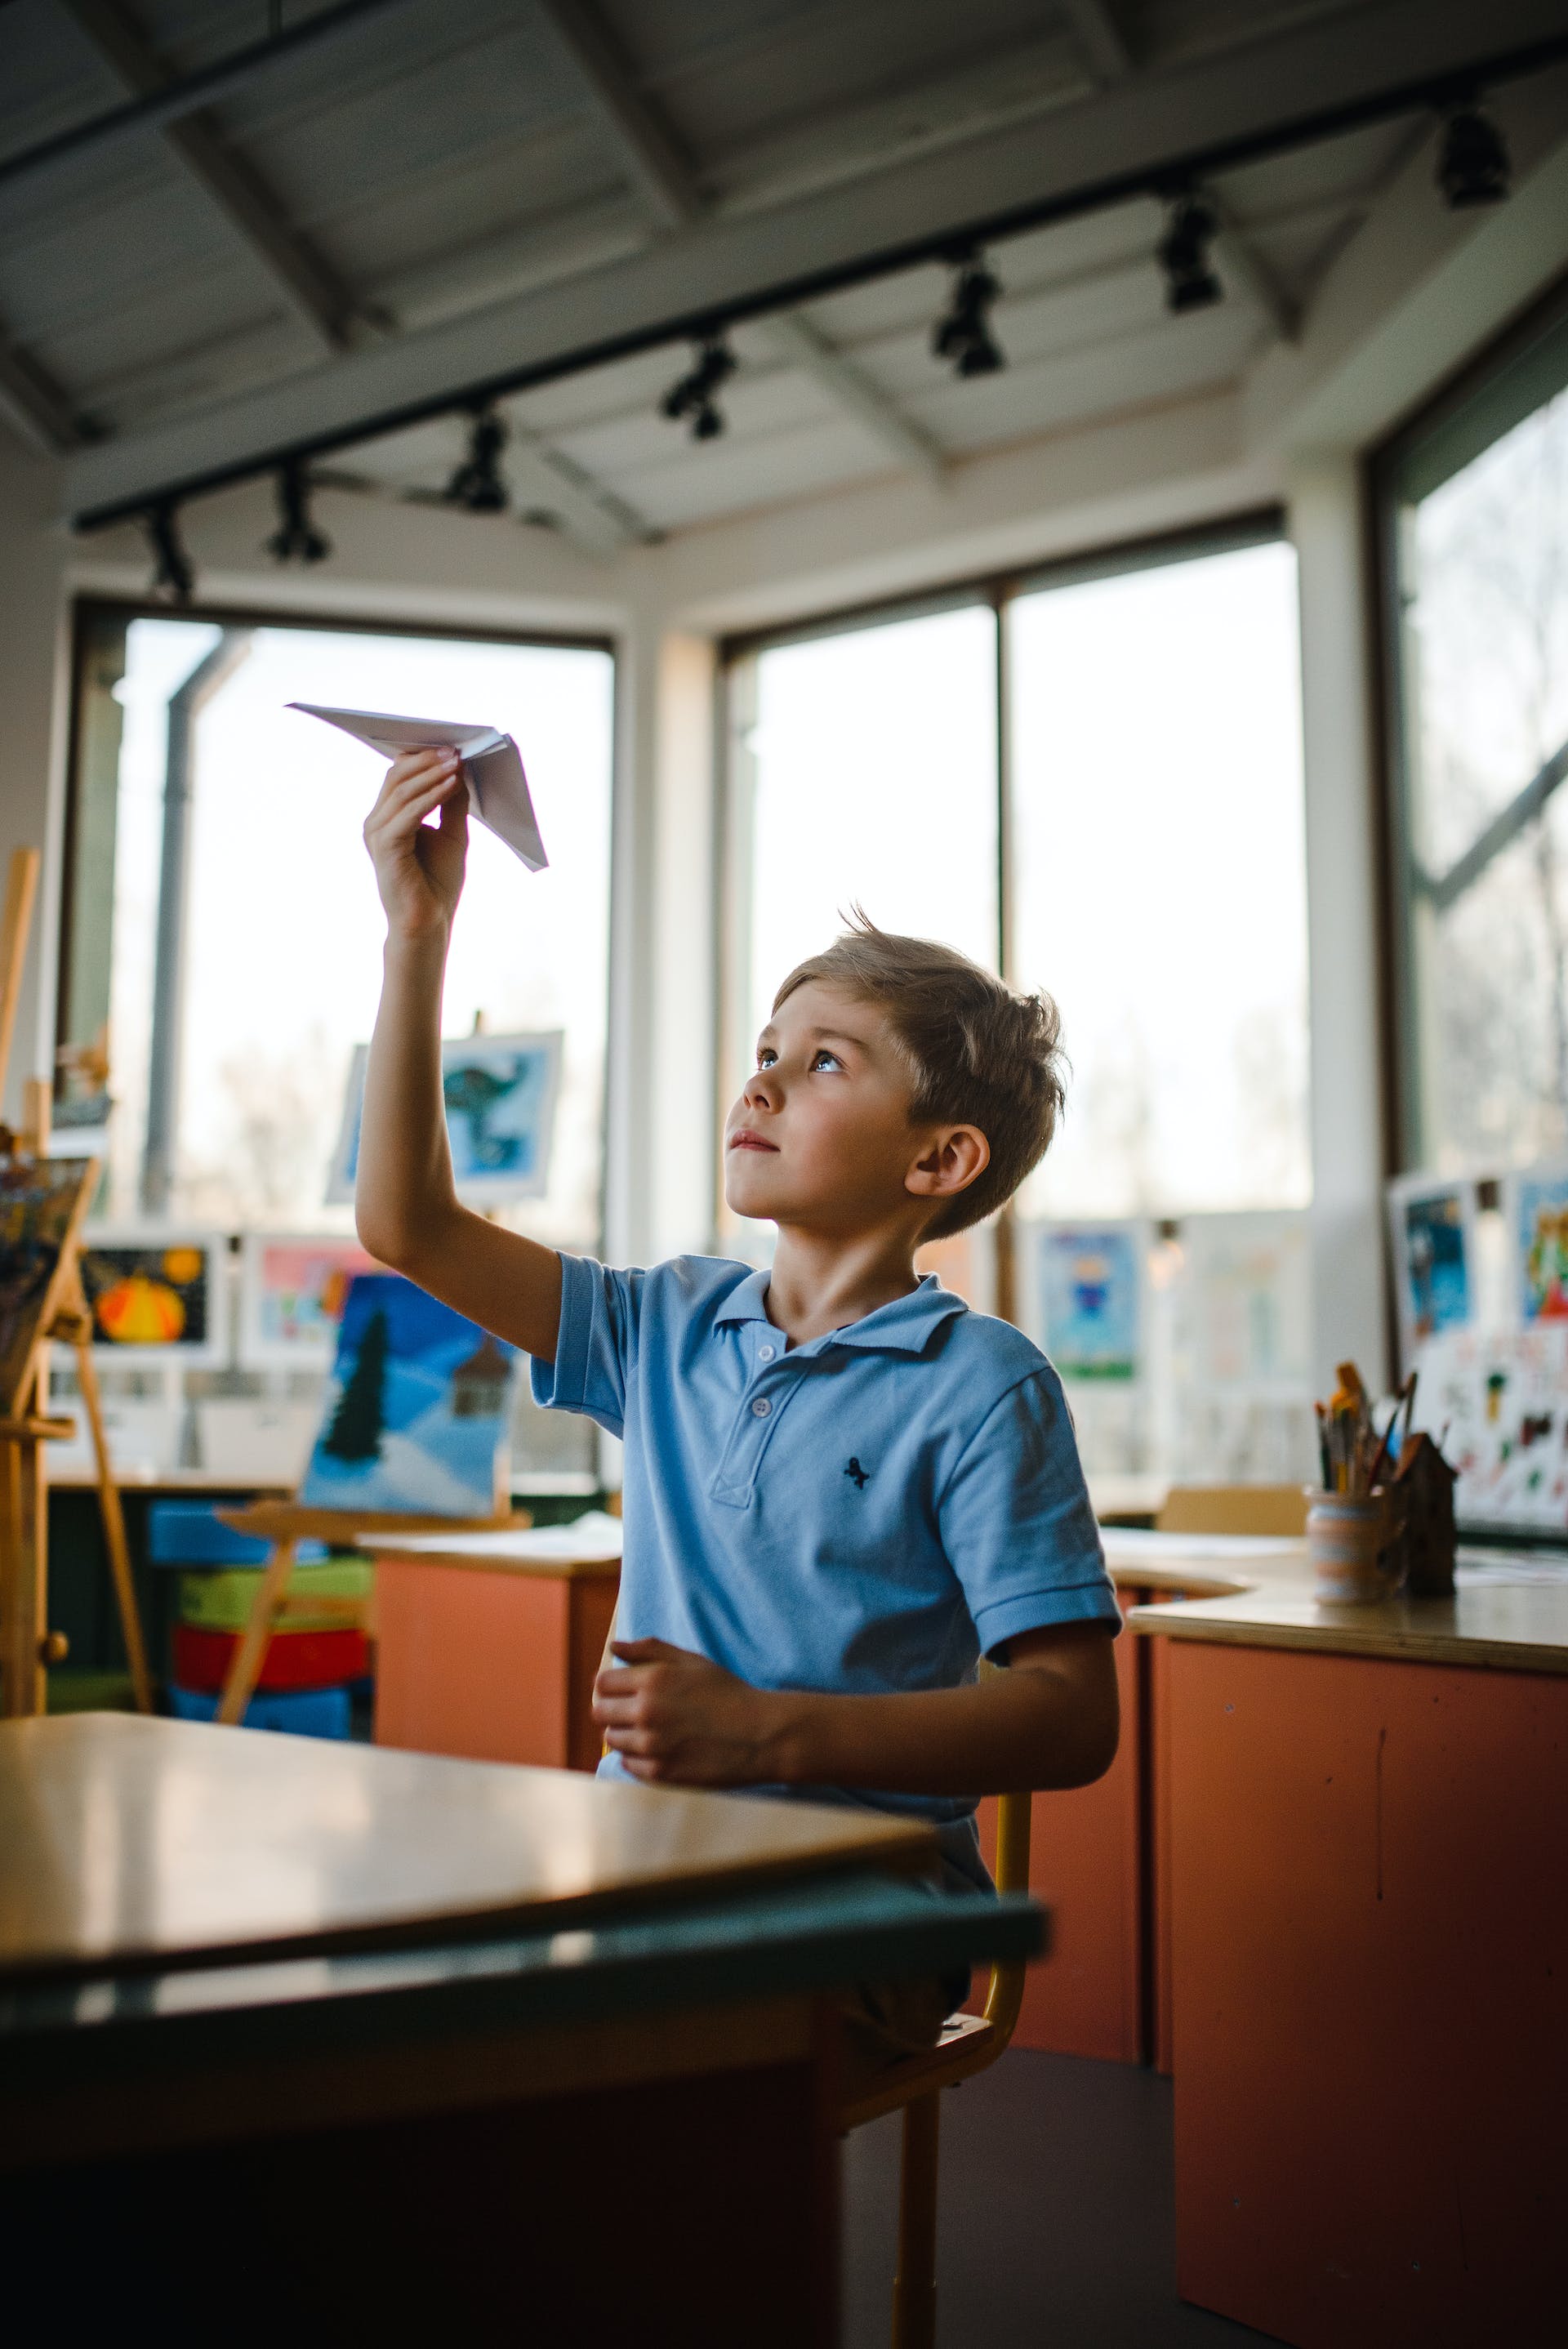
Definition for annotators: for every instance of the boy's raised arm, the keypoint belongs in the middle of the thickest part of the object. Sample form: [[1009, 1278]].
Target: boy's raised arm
[[405, 1205]]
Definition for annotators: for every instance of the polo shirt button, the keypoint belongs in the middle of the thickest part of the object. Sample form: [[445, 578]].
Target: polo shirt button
[[761, 1407], [764, 1353]]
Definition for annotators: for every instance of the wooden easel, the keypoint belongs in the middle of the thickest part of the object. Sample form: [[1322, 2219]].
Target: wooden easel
[[285, 1524], [28, 1647]]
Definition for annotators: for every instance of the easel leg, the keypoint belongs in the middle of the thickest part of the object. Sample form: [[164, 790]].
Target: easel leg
[[23, 1579], [249, 1656], [114, 1533]]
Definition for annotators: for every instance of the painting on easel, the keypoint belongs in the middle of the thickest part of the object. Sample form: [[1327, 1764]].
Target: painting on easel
[[416, 1412], [42, 1203]]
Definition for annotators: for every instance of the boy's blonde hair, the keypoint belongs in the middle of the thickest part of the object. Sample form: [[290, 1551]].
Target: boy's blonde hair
[[978, 1053]]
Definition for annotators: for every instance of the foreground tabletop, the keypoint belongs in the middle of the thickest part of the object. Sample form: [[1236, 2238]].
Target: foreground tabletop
[[134, 1842]]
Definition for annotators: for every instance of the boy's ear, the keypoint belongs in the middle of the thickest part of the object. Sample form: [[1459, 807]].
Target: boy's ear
[[956, 1156]]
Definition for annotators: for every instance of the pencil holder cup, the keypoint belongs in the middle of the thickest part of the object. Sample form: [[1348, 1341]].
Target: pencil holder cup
[[1353, 1546]]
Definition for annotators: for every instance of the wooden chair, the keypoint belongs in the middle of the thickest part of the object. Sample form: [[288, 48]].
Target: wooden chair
[[969, 2043], [284, 1525], [1234, 1509]]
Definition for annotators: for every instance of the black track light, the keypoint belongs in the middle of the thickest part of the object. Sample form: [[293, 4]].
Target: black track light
[[1191, 283], [963, 335], [296, 538], [695, 395], [478, 485], [174, 577], [1473, 164]]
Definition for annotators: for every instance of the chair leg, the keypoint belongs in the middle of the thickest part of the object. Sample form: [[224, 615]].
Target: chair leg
[[914, 2286]]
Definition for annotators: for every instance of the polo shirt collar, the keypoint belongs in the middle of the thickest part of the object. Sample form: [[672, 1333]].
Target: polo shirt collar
[[904, 1327]]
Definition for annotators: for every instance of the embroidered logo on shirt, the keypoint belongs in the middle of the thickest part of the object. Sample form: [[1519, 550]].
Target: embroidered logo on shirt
[[859, 1474]]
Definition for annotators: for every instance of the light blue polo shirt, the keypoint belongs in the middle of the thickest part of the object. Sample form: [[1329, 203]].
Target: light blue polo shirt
[[865, 1514]]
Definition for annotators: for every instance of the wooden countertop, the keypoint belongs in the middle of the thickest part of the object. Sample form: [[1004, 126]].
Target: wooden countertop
[[553, 1550], [1503, 1616], [136, 1842]]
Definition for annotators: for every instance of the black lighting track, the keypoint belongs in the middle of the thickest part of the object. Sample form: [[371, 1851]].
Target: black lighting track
[[1428, 93]]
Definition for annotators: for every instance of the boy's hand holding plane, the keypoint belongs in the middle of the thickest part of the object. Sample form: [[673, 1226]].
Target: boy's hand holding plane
[[419, 867]]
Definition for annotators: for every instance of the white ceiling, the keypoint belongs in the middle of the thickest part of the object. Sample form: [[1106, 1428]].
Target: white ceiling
[[438, 166]]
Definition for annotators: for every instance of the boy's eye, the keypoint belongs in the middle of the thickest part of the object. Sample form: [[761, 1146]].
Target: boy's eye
[[766, 1056], [831, 1058]]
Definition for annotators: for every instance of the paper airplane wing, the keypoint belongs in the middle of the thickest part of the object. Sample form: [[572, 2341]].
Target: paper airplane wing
[[497, 787], [505, 803]]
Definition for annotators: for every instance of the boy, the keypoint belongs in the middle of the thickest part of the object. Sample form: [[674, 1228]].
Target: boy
[[841, 1484]]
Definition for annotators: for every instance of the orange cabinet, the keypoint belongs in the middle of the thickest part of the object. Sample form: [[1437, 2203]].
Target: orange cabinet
[[491, 1658], [1369, 1959]]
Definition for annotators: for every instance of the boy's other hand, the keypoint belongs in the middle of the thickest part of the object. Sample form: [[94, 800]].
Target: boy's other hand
[[676, 1720], [419, 868]]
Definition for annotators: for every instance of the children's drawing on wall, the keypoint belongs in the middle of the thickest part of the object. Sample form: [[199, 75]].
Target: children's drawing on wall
[[1089, 1281], [1538, 1216], [500, 1093], [1498, 1402], [417, 1410], [1246, 1303], [1434, 1246], [158, 1296], [292, 1290]]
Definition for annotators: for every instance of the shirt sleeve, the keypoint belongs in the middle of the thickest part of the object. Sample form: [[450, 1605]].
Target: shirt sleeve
[[1016, 1523], [594, 1348]]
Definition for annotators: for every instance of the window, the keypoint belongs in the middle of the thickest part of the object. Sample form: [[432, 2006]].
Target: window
[[224, 918], [1160, 880], [1473, 510], [870, 779], [1153, 740]]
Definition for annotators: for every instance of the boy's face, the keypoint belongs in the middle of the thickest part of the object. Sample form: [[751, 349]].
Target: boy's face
[[821, 1134]]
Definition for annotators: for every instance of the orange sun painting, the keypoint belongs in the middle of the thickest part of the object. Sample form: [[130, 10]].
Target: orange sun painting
[[137, 1312]]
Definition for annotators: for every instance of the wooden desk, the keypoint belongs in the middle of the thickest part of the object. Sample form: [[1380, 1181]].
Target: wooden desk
[[1368, 1808], [614, 2089], [488, 1644]]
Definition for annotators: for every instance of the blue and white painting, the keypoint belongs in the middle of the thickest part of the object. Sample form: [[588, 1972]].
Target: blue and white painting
[[500, 1094], [417, 1410]]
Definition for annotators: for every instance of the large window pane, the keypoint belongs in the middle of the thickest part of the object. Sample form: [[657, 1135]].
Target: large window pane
[[282, 926], [1159, 881], [872, 760], [1483, 564]]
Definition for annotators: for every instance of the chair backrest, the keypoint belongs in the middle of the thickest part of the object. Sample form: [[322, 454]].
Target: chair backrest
[[1233, 1509]]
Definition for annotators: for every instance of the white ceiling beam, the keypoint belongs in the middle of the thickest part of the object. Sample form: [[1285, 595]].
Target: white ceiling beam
[[649, 154], [544, 479], [729, 264], [669, 186], [1241, 262], [312, 289], [35, 405], [1100, 39]]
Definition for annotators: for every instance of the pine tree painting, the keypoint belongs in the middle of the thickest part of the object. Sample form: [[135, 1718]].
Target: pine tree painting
[[357, 1422], [418, 1410]]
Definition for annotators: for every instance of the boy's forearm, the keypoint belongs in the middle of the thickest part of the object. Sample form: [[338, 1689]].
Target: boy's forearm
[[1020, 1728], [403, 1187]]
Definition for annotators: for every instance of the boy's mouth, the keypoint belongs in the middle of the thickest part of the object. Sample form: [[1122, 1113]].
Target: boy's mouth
[[743, 1138]]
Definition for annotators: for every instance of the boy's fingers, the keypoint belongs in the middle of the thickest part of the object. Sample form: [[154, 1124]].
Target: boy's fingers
[[651, 1651], [404, 818]]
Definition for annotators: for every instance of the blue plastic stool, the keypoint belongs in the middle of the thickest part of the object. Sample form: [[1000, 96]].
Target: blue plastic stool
[[299, 1712]]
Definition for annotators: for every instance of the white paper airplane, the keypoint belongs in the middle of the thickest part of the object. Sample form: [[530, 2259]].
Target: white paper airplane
[[492, 767]]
